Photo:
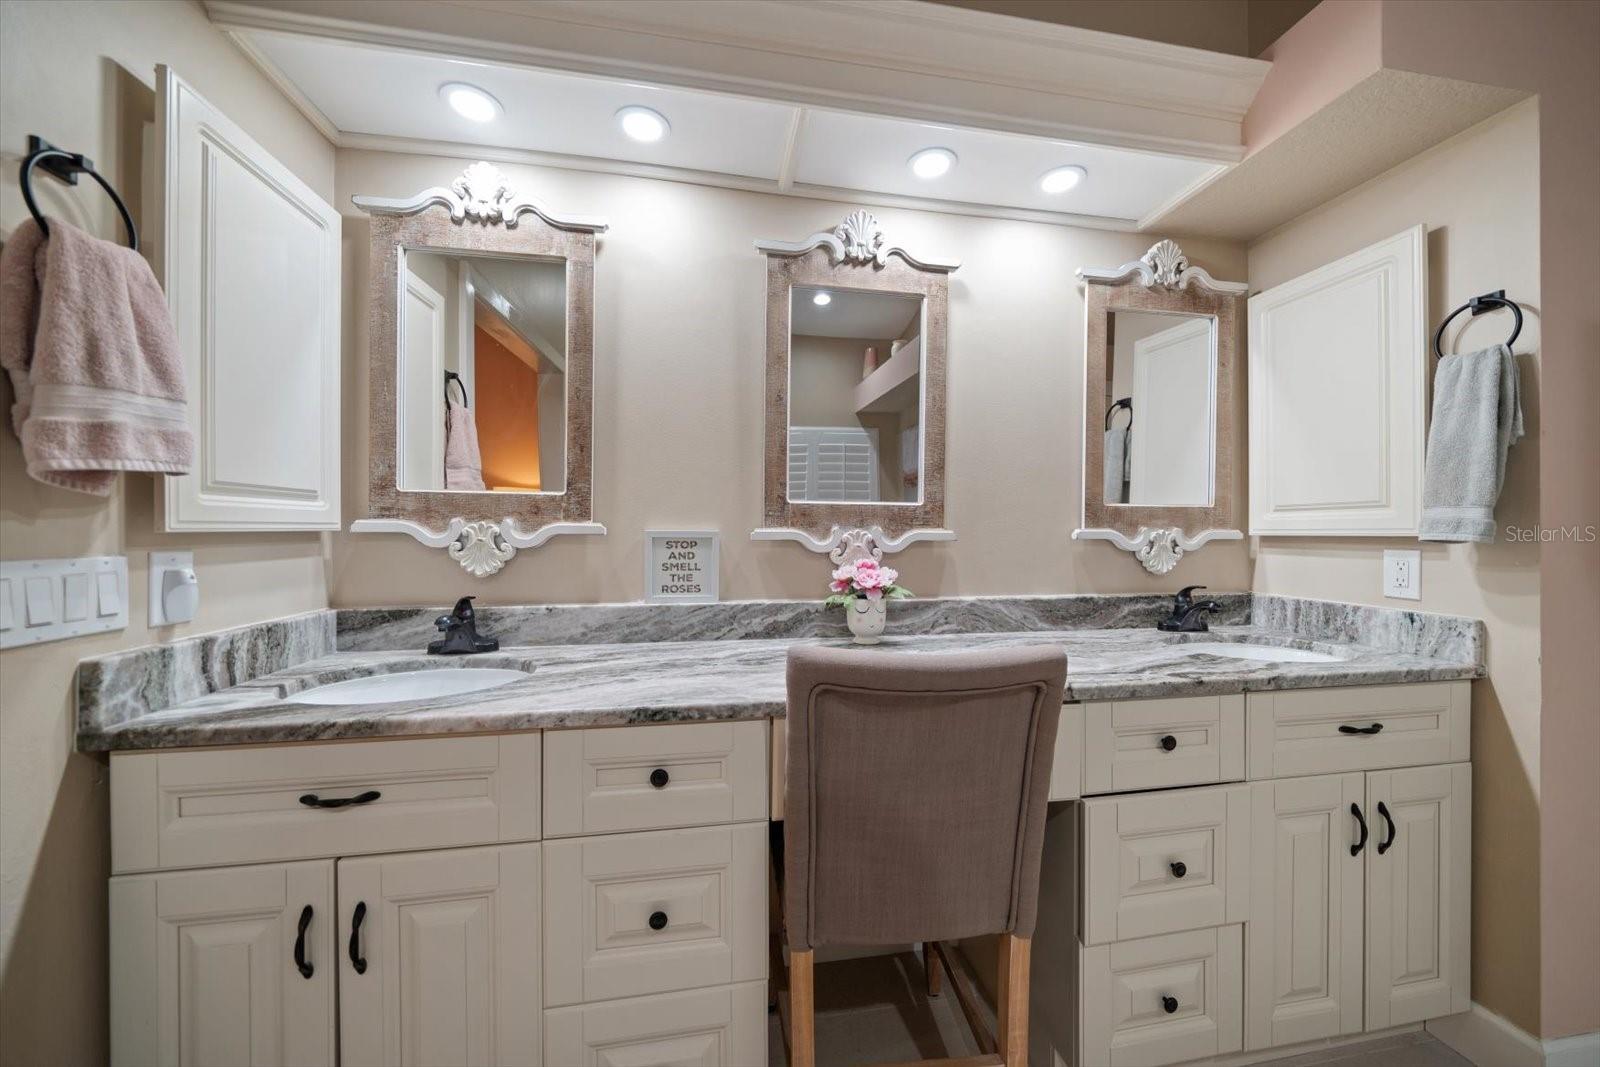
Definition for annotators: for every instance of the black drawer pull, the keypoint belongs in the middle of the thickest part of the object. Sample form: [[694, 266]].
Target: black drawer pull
[[1168, 743], [1361, 821], [357, 960], [1346, 728], [311, 800], [1383, 846], [305, 968], [1169, 1004], [1179, 869], [659, 778], [658, 920]]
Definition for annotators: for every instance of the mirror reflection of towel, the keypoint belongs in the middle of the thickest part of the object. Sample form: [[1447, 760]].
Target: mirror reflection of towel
[[463, 466], [1116, 465]]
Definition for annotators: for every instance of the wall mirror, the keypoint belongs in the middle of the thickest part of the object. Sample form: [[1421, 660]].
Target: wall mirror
[[855, 379], [481, 330], [1161, 337]]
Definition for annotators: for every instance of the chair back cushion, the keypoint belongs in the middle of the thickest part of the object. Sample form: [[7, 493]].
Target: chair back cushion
[[917, 788]]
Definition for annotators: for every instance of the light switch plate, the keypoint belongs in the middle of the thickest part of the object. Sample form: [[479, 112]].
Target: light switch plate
[[52, 599], [1402, 573]]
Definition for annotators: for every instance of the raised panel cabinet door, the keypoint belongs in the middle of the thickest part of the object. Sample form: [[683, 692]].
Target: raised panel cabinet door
[[1160, 1000], [223, 968], [249, 257], [1155, 744], [721, 1027], [1303, 944], [439, 961], [1419, 894]]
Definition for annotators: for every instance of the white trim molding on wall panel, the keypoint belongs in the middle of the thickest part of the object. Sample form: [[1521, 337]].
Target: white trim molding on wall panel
[[249, 256], [1486, 1038], [1338, 396]]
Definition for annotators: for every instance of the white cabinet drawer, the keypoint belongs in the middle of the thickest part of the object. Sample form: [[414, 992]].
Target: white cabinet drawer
[[722, 1027], [654, 777], [1329, 731], [1160, 862], [1156, 744], [1162, 999], [204, 807], [655, 912]]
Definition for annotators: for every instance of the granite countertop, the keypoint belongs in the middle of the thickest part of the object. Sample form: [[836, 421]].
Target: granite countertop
[[718, 680]]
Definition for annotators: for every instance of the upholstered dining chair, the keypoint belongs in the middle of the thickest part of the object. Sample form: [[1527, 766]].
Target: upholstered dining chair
[[915, 809]]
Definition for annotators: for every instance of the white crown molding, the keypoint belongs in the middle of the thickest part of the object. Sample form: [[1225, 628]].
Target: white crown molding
[[873, 56], [483, 194], [859, 239], [1163, 267], [482, 548], [854, 543], [1157, 548]]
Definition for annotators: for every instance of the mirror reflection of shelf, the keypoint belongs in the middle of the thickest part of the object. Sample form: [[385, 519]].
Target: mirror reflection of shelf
[[893, 387]]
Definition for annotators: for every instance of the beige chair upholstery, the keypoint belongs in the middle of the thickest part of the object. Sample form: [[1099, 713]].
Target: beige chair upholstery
[[917, 789]]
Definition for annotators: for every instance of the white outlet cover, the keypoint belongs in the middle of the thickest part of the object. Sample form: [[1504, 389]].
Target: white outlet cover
[[1402, 574]]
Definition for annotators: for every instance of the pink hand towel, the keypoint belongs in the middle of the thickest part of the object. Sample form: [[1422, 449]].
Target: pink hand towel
[[88, 342], [463, 467]]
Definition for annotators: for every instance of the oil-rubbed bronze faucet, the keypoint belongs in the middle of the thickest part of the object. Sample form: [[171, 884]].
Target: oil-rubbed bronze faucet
[[460, 633], [1187, 616]]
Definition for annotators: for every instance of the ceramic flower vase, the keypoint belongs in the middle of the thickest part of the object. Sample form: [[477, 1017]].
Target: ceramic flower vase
[[867, 619]]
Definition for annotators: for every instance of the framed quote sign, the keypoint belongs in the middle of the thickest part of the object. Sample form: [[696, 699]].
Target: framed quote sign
[[680, 566]]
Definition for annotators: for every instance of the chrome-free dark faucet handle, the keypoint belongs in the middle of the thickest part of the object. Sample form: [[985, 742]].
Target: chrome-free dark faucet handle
[[1184, 599]]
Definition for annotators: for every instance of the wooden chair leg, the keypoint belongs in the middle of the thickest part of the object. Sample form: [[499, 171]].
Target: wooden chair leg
[[930, 965], [802, 1011], [1012, 1015]]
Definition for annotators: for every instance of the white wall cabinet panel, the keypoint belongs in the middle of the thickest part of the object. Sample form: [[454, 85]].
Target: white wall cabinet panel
[[1303, 943], [1338, 406], [1418, 894], [249, 256], [448, 946], [205, 967]]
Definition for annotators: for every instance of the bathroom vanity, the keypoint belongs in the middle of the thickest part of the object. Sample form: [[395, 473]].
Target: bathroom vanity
[[572, 868]]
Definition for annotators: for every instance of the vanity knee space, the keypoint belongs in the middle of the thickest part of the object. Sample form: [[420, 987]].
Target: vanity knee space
[[1254, 871]]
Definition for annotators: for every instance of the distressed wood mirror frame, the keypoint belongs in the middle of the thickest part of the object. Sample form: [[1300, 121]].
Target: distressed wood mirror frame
[[855, 255], [1164, 281], [480, 213]]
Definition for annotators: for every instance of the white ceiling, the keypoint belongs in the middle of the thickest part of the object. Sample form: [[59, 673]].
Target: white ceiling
[[365, 91], [868, 316]]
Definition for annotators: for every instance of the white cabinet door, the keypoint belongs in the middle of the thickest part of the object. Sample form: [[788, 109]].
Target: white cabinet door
[[1418, 894], [721, 1027], [224, 967], [1338, 376], [1160, 1000], [1303, 943], [442, 967], [249, 256]]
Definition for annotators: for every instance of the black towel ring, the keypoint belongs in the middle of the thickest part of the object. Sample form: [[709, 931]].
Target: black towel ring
[[452, 376], [1125, 402], [66, 166], [1478, 305]]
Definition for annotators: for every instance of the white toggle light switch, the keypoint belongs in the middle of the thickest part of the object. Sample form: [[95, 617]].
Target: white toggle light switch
[[174, 588], [1402, 574], [75, 597]]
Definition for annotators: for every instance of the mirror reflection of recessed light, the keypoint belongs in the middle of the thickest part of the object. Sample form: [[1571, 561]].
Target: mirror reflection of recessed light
[[1061, 179], [932, 163], [469, 101], [822, 300], [643, 123]]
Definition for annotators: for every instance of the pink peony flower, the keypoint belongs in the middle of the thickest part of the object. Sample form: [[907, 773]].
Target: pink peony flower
[[839, 585], [874, 594]]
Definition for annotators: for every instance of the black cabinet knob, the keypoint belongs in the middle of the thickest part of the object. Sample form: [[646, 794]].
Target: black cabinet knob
[[658, 920], [659, 778], [1169, 1004], [1168, 743], [1179, 869]]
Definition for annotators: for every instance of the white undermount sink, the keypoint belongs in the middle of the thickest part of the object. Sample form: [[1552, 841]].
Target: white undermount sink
[[409, 685], [1259, 653]]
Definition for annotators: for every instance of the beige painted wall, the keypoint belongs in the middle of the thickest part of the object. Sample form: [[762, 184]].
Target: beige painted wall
[[1478, 194], [81, 75], [679, 330]]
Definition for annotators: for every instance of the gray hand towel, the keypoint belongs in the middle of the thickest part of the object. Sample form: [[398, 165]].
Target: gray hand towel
[[1116, 465], [1477, 415]]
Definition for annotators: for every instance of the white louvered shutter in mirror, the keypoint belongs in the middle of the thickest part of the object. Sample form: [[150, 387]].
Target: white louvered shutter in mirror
[[833, 463], [249, 257]]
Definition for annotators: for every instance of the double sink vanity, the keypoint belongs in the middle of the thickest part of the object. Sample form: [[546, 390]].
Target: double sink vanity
[[329, 846]]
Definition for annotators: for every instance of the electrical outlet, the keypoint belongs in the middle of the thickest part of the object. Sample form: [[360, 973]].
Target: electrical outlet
[[1402, 574]]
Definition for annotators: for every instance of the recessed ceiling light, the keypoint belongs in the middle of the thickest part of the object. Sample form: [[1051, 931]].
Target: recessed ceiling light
[[469, 101], [822, 300], [932, 163], [643, 124], [1061, 179]]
